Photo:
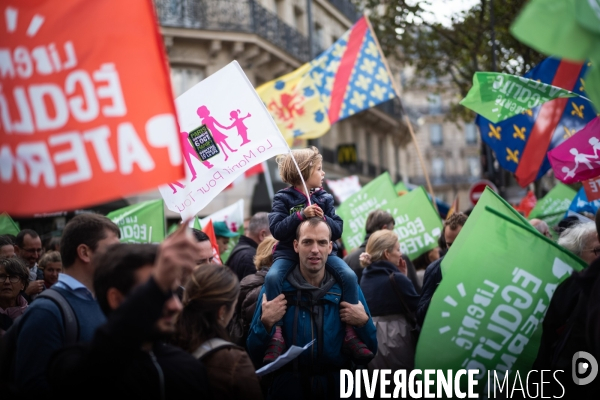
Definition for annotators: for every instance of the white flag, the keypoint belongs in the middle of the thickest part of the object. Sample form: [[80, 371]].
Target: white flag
[[225, 129], [233, 216], [345, 187]]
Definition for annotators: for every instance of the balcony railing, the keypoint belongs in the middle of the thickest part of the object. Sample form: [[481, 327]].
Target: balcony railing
[[233, 15]]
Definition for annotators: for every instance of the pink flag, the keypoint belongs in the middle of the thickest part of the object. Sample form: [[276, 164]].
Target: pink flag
[[578, 158]]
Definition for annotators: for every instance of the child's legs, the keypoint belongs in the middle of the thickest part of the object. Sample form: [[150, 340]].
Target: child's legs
[[276, 276], [345, 276]]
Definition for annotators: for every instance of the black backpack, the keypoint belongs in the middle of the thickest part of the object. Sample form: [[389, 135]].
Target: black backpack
[[8, 342]]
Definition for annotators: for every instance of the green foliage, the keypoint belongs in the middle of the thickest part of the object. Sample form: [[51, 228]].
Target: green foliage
[[456, 49]]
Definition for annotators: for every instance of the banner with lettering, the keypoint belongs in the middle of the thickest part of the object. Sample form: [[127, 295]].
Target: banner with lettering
[[418, 225], [498, 279], [86, 109], [141, 223], [344, 188], [377, 194], [225, 130], [498, 96], [233, 216]]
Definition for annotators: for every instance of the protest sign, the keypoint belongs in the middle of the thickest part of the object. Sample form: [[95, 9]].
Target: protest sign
[[552, 207], [210, 232], [7, 225], [141, 223], [225, 130], [592, 188], [418, 225], [497, 283], [233, 216], [344, 188], [377, 194], [581, 203], [577, 158], [86, 109], [498, 96]]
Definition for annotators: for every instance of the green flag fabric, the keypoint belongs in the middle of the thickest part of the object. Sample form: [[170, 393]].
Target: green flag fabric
[[377, 194], [7, 225], [141, 223], [401, 188], [418, 225], [552, 207], [197, 224], [567, 29], [498, 96], [498, 279]]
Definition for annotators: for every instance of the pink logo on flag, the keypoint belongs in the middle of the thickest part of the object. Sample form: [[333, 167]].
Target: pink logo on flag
[[578, 158]]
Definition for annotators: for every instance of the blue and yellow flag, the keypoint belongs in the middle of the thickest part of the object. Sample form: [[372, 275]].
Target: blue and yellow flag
[[347, 78]]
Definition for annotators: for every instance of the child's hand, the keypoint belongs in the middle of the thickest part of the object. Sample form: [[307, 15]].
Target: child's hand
[[313, 211]]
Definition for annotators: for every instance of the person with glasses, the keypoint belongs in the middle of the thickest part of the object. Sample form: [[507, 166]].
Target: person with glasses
[[28, 247], [582, 240], [14, 278]]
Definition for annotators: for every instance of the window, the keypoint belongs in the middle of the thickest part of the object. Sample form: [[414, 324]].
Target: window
[[183, 78], [471, 133], [300, 20], [437, 167], [435, 134], [474, 166], [435, 103]]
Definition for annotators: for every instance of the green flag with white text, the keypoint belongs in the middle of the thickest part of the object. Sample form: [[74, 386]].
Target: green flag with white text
[[418, 225], [141, 223], [552, 207], [377, 194], [7, 225], [498, 96], [498, 279]]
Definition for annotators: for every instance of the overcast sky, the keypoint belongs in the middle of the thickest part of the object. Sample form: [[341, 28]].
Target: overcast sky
[[443, 9]]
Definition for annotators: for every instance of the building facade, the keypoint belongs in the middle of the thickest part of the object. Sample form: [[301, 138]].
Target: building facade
[[451, 150]]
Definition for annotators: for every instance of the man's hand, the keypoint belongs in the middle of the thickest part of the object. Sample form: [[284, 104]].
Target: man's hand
[[272, 311], [353, 314], [313, 211], [34, 287], [176, 258]]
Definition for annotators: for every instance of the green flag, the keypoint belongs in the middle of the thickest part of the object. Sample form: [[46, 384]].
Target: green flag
[[498, 96], [141, 223], [172, 229], [377, 194], [401, 188], [498, 279], [550, 27], [552, 207], [418, 225], [197, 224], [7, 225], [587, 14]]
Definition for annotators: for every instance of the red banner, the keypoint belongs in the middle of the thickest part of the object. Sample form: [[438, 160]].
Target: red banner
[[86, 107], [592, 188]]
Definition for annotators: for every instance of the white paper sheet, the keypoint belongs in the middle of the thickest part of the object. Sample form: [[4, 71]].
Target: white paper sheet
[[293, 352]]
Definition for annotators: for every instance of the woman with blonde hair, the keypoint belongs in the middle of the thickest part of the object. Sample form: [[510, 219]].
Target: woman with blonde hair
[[392, 300], [209, 300]]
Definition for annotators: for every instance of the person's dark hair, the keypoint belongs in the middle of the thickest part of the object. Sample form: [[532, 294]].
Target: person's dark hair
[[597, 220], [378, 218], [199, 235], [312, 222], [53, 244], [258, 222], [456, 220], [21, 236], [11, 237], [5, 241], [209, 287], [16, 266], [116, 268], [86, 229]]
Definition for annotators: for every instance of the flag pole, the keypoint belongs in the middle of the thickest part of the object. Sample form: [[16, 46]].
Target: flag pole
[[406, 119]]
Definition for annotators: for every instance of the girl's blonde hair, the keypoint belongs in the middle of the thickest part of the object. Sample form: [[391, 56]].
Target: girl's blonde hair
[[307, 160], [378, 243], [264, 253]]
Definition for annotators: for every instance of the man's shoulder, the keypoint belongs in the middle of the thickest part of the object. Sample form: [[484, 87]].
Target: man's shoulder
[[435, 266]]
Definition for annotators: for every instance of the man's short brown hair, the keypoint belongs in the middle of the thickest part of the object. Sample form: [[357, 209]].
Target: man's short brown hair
[[377, 219], [456, 220], [86, 229]]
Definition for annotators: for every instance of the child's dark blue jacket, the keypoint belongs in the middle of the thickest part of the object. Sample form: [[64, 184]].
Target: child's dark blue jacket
[[285, 217]]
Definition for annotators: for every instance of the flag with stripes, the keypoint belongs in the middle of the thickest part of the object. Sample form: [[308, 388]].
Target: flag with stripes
[[521, 142], [347, 78]]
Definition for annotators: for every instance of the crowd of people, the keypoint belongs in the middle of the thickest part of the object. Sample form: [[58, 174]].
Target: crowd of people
[[91, 317]]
